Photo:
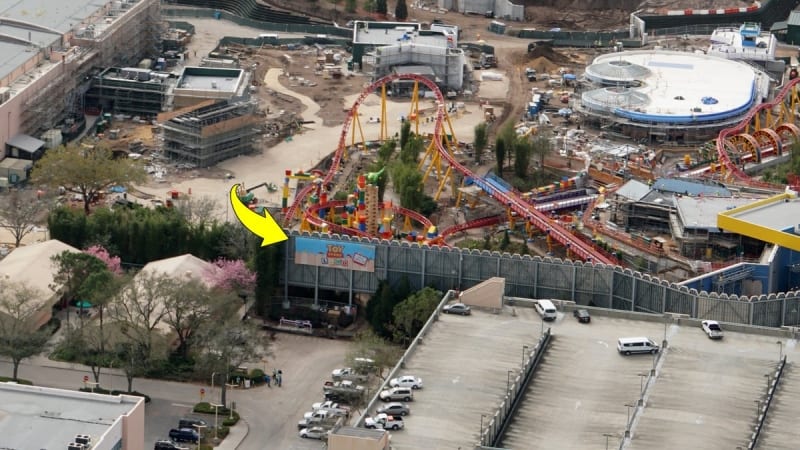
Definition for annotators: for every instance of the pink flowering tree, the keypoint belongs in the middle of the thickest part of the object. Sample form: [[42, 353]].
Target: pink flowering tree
[[112, 262], [231, 275]]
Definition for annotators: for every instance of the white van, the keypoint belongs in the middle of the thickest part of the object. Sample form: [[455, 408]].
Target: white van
[[546, 309], [628, 346]]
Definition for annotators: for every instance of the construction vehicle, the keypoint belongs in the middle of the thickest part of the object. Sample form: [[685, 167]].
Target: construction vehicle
[[488, 60]]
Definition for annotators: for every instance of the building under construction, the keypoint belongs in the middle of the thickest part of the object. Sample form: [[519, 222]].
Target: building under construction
[[53, 46], [209, 134], [130, 90]]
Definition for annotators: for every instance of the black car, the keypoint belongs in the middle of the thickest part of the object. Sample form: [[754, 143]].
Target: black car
[[191, 423], [168, 445], [184, 435], [582, 315]]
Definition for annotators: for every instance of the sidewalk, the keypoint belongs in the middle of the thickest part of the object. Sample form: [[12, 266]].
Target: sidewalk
[[235, 437]]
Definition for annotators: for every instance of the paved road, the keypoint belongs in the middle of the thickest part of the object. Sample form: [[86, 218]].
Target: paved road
[[271, 413]]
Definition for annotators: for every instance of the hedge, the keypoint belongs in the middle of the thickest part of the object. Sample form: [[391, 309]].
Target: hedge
[[99, 390], [18, 381]]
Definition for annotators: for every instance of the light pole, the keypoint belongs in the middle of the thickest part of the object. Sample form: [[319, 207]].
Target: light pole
[[628, 423], [232, 386], [641, 387], [480, 435], [768, 381], [216, 419], [524, 347], [664, 343], [758, 407], [199, 433], [608, 435], [780, 349], [508, 381], [213, 375]]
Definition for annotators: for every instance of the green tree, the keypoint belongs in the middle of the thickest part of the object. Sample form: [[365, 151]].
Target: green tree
[[86, 171], [19, 337], [409, 153], [380, 7], [506, 241], [267, 266], [405, 132], [411, 314], [81, 276], [368, 344], [188, 304], [407, 182], [500, 154], [541, 146], [522, 157], [369, 5], [381, 304], [401, 10], [480, 141], [350, 6], [386, 151]]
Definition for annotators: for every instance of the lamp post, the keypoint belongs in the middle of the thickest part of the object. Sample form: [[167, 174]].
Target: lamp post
[[524, 347], [641, 387], [608, 435], [232, 386], [766, 375], [666, 318], [758, 407], [628, 423], [780, 349], [199, 433], [480, 434], [216, 419], [213, 375], [508, 381]]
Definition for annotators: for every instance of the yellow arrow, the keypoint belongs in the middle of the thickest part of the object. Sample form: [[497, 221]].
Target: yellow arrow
[[262, 226]]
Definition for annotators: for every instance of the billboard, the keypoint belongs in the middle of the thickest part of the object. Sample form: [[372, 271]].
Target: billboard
[[334, 254]]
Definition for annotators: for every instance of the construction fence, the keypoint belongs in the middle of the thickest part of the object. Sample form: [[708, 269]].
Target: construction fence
[[206, 13], [530, 277]]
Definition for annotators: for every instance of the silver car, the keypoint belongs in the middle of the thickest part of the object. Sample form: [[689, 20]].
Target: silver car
[[314, 433], [394, 409]]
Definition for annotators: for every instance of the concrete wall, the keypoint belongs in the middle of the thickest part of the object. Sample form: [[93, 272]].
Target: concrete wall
[[346, 442], [133, 425], [488, 294]]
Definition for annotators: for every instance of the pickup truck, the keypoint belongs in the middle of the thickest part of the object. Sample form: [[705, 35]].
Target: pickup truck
[[322, 417], [341, 386], [348, 373], [384, 422]]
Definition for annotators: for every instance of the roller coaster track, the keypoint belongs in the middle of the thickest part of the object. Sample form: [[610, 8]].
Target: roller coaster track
[[739, 128], [313, 218], [510, 200]]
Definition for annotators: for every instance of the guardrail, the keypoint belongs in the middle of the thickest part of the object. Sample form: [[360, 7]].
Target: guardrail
[[409, 351], [763, 410], [497, 426]]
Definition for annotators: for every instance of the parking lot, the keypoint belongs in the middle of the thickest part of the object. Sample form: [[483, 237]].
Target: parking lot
[[579, 392], [783, 413], [464, 363]]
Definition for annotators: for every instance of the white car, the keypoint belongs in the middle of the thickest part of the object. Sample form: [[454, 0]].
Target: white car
[[385, 422], [406, 381], [314, 433], [328, 404], [712, 329]]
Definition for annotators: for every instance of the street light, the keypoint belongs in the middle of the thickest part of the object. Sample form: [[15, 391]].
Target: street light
[[508, 381], [641, 387], [480, 434], [758, 407], [199, 433], [780, 349], [628, 423], [608, 435], [216, 419], [768, 380], [524, 347]]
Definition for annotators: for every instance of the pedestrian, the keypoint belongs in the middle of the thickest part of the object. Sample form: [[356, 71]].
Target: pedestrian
[[267, 380], [280, 378], [274, 375]]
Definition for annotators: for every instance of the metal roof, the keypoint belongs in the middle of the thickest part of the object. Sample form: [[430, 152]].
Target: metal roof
[[364, 433], [633, 190], [701, 213], [794, 19], [25, 142], [691, 188], [783, 215], [56, 15]]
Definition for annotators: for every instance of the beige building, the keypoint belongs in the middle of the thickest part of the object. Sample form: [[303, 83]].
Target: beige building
[[32, 265], [487, 294], [351, 438], [33, 417]]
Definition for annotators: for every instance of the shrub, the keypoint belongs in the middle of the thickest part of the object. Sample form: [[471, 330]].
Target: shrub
[[99, 390], [206, 408], [18, 381]]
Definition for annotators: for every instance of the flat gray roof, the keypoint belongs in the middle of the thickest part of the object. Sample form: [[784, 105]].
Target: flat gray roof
[[633, 190], [399, 35], [25, 142], [701, 212], [42, 38], [33, 417], [12, 55], [783, 412], [57, 15], [463, 362], [776, 215]]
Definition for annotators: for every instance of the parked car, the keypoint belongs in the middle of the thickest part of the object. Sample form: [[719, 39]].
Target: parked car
[[631, 345], [582, 315], [327, 404], [407, 381], [394, 409], [347, 373], [191, 423], [168, 445], [385, 422], [457, 308], [184, 435], [314, 433], [712, 329], [397, 394]]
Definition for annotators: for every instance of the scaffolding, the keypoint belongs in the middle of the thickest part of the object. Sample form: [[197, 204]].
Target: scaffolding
[[213, 133], [114, 37], [129, 90]]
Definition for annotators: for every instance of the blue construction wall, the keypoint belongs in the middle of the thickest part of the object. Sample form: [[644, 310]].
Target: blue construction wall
[[781, 275]]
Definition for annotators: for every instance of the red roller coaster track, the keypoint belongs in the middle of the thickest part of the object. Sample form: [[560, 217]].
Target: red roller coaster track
[[510, 200], [739, 128]]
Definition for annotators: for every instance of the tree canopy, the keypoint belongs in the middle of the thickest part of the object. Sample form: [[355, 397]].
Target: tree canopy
[[401, 10], [85, 170], [20, 211], [410, 315], [19, 337]]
